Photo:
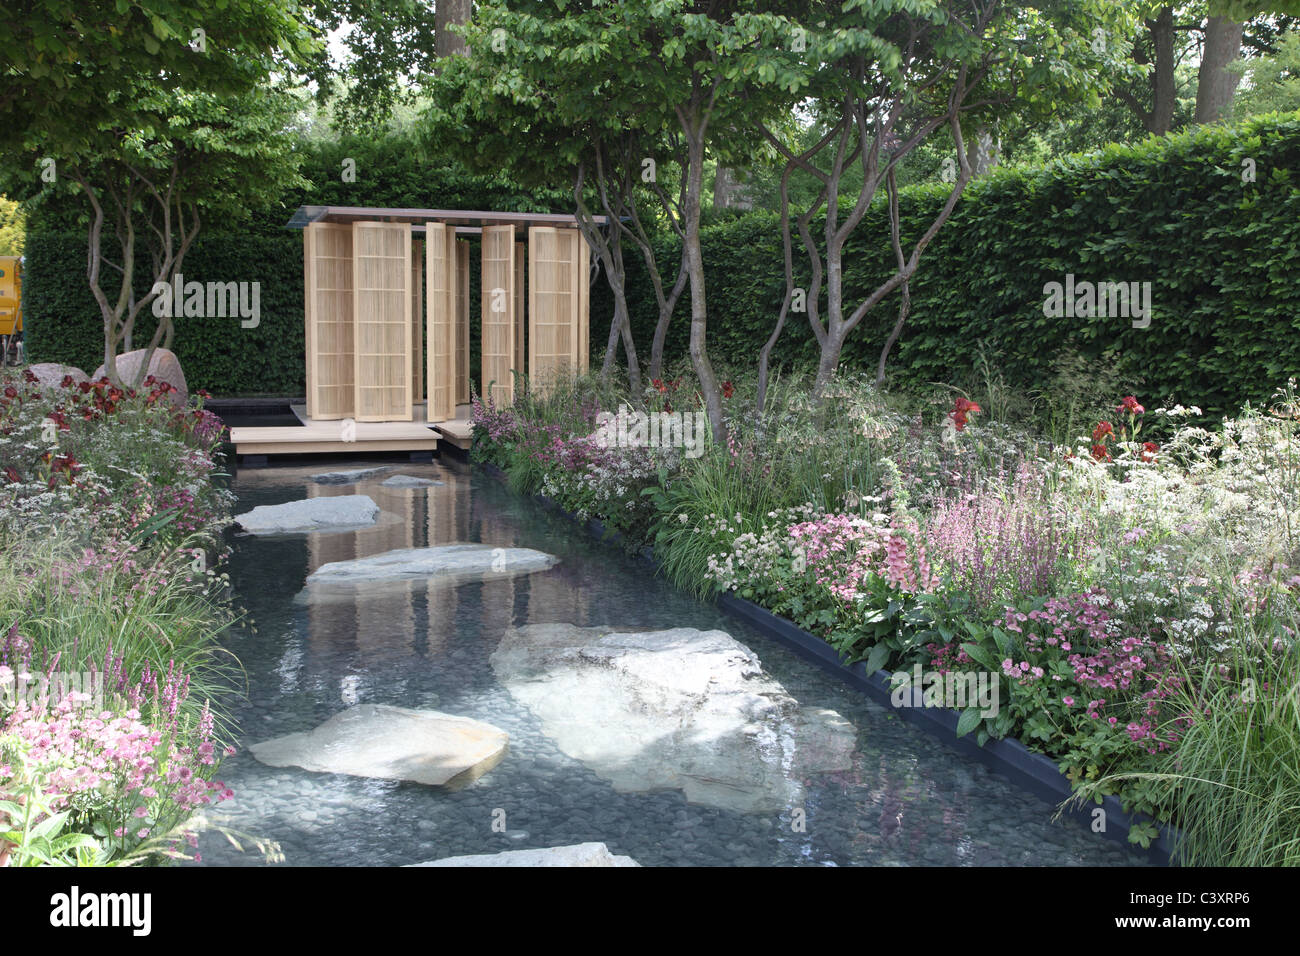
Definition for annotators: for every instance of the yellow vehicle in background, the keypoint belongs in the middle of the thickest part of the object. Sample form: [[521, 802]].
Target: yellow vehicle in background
[[11, 310]]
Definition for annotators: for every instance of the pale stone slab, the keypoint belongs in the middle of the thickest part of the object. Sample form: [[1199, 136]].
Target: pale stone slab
[[392, 743], [333, 513], [451, 563], [675, 709], [409, 481], [579, 854], [349, 476]]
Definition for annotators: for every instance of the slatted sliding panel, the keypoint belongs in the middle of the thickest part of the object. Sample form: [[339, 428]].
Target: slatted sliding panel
[[582, 341], [307, 296], [556, 277], [328, 301], [441, 279], [498, 321], [417, 320], [521, 306], [381, 270], [462, 321]]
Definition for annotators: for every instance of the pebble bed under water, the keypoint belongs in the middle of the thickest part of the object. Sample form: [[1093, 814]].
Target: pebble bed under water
[[908, 799]]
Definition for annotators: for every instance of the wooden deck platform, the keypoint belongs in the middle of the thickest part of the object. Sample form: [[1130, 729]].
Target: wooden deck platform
[[457, 431], [327, 437]]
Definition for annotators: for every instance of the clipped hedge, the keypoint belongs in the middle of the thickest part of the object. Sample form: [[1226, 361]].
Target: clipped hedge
[[216, 354], [1223, 257]]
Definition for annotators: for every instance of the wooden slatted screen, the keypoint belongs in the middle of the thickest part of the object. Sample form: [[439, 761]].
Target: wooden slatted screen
[[328, 301], [582, 341], [521, 307], [442, 275], [381, 270], [417, 321], [462, 321], [307, 296], [557, 277], [498, 321]]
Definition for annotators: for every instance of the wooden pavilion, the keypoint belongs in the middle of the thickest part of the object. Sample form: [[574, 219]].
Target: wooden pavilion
[[386, 296]]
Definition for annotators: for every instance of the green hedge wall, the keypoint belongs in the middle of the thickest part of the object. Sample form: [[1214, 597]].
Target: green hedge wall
[[216, 354], [1223, 257]]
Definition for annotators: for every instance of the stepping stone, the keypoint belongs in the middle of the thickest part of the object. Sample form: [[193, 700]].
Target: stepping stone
[[447, 564], [579, 854], [392, 743], [330, 513], [348, 477], [409, 481], [678, 709]]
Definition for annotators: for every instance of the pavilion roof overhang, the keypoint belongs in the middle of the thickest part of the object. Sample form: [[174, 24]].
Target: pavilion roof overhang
[[465, 220]]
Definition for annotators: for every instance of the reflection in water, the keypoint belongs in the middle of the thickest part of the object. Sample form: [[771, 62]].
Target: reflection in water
[[906, 799]]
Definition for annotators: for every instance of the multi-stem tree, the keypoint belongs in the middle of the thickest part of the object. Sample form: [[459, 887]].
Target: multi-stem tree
[[153, 112], [885, 77]]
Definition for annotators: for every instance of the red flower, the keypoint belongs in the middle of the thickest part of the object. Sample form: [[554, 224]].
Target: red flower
[[83, 387], [11, 475], [728, 389], [1103, 432], [960, 409], [1149, 449], [659, 385], [1130, 405], [11, 392], [67, 382], [1101, 453]]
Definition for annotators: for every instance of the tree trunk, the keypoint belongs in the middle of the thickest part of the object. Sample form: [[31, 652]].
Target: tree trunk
[[665, 317], [904, 308], [695, 269], [617, 271], [447, 12], [1161, 118], [1216, 84]]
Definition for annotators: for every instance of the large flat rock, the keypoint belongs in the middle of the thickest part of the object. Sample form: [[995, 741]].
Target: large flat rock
[[443, 565], [409, 481], [674, 709], [333, 513], [579, 854], [350, 476], [392, 743]]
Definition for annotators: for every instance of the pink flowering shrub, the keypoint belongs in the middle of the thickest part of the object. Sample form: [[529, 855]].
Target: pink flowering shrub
[[122, 777], [1085, 689], [842, 552], [1000, 548]]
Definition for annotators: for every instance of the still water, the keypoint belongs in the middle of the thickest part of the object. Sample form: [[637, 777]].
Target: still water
[[902, 799]]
